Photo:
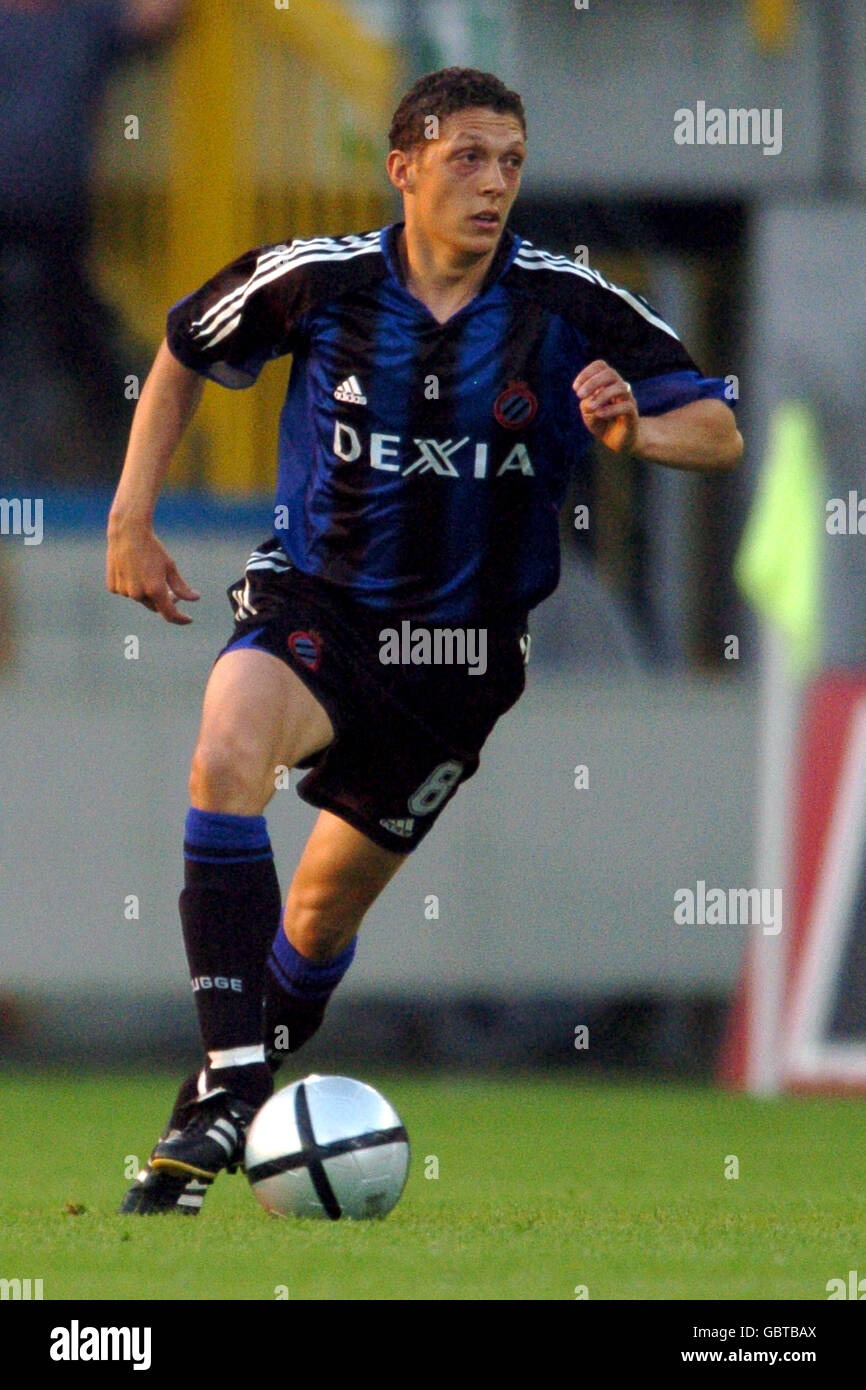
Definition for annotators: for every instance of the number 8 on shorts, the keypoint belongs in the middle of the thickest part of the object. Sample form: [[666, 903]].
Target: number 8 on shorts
[[434, 789]]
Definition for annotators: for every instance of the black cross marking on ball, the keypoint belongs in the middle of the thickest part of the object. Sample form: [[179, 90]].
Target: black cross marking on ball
[[312, 1155]]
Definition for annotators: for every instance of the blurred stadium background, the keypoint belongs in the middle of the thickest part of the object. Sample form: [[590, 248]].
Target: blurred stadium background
[[537, 907]]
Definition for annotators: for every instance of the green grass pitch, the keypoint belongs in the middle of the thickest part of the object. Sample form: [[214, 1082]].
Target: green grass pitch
[[544, 1186]]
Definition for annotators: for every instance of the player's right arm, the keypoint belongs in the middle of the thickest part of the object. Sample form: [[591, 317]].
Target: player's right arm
[[137, 565], [248, 313]]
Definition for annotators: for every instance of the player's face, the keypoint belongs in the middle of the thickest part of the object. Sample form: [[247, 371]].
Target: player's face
[[462, 185]]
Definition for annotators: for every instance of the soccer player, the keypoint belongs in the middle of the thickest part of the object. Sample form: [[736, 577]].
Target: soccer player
[[446, 375]]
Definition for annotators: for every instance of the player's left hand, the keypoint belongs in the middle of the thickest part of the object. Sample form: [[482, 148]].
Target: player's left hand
[[607, 407]]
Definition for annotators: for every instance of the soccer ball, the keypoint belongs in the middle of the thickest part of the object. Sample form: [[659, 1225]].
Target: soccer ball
[[327, 1147]]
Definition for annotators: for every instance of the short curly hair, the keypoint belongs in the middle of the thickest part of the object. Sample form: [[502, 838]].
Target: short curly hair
[[441, 94]]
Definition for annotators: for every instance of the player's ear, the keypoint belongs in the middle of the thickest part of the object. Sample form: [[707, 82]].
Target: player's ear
[[401, 171]]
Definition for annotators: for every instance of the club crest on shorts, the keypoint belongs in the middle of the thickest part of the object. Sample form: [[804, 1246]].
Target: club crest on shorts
[[515, 406], [307, 647]]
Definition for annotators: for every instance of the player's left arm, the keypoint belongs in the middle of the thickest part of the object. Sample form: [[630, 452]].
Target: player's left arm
[[702, 434]]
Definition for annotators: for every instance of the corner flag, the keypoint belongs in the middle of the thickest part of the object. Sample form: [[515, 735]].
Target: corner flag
[[778, 568], [778, 564]]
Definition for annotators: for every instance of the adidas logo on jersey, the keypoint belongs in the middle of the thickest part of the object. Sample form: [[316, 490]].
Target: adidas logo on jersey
[[400, 827], [350, 390]]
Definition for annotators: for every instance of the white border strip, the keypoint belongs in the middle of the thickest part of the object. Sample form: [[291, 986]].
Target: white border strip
[[810, 1056]]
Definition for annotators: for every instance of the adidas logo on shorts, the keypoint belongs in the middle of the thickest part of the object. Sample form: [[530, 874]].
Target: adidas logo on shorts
[[400, 827], [350, 390]]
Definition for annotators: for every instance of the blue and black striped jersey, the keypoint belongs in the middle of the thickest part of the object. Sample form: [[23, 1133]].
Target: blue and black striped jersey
[[421, 465]]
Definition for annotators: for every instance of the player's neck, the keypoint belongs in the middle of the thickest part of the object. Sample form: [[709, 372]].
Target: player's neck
[[433, 276]]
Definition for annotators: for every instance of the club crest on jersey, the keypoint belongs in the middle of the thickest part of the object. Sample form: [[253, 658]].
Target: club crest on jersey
[[515, 406], [307, 647]]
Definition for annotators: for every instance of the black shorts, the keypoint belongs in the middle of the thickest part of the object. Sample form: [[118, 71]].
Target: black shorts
[[405, 736]]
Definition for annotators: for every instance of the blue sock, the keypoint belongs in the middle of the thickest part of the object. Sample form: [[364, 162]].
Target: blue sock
[[297, 991]]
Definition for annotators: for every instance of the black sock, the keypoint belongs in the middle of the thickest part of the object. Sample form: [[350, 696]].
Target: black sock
[[185, 1098], [228, 909]]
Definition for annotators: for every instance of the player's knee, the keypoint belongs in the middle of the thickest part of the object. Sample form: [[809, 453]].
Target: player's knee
[[228, 776]]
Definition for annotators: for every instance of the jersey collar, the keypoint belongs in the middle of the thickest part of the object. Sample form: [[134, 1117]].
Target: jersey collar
[[509, 245]]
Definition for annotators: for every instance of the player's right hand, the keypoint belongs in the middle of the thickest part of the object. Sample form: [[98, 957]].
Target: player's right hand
[[140, 568]]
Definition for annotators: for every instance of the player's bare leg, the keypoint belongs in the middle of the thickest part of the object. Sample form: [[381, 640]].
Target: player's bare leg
[[257, 715], [339, 876]]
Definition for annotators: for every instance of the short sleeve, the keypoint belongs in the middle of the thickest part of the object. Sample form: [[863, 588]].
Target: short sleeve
[[241, 318], [627, 332]]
